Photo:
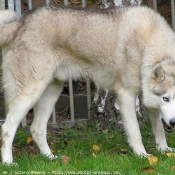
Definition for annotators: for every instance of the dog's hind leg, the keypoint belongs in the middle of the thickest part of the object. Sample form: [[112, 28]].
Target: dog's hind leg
[[42, 111], [20, 98], [158, 130], [18, 108], [127, 99]]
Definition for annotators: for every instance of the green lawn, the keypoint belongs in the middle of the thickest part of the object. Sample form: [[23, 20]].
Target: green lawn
[[114, 157]]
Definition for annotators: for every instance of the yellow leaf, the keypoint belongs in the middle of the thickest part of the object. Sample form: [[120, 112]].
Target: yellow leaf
[[170, 154], [94, 155], [105, 131], [52, 151], [78, 161], [111, 137], [65, 159], [54, 143], [173, 167], [96, 148], [152, 160], [29, 139], [148, 169]]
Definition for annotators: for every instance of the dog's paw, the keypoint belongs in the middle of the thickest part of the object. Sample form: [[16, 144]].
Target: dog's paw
[[11, 164], [52, 157], [145, 155], [166, 149]]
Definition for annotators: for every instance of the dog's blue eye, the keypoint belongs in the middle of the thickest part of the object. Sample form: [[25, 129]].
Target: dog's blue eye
[[166, 99]]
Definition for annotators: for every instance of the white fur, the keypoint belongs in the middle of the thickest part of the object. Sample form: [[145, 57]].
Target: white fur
[[7, 16], [121, 56]]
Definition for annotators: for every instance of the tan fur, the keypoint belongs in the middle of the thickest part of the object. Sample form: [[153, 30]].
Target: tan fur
[[7, 16], [117, 48]]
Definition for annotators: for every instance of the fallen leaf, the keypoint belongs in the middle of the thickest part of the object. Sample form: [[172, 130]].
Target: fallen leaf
[[152, 160], [96, 148], [78, 161], [148, 169], [52, 151], [173, 167], [112, 150], [170, 154], [65, 159], [59, 151], [54, 143], [105, 131], [15, 149], [94, 155], [29, 139], [111, 137]]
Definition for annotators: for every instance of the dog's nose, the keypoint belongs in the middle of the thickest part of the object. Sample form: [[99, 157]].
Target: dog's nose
[[172, 122]]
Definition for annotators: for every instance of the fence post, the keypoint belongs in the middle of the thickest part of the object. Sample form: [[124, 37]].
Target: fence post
[[66, 2], [155, 5], [47, 2], [84, 3], [2, 4], [173, 13], [11, 5], [30, 4], [18, 8], [88, 89], [71, 96], [88, 95]]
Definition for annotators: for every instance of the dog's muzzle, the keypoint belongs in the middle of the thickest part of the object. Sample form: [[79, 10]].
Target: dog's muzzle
[[167, 128], [172, 122]]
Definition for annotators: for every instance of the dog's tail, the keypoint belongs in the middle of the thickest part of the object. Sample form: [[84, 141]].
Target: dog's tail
[[7, 26]]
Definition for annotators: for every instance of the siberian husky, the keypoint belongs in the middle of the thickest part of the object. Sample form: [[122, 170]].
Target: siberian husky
[[126, 50]]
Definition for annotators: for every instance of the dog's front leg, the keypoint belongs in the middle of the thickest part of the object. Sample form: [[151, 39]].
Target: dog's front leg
[[127, 100], [158, 130]]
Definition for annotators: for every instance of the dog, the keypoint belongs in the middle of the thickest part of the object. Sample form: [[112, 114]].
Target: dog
[[126, 50]]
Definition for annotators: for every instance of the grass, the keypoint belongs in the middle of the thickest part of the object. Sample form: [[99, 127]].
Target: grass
[[114, 157]]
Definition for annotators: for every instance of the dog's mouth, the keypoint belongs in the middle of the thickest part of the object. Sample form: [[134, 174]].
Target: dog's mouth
[[167, 128]]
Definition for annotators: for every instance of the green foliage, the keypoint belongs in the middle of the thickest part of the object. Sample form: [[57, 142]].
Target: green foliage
[[114, 156], [21, 137]]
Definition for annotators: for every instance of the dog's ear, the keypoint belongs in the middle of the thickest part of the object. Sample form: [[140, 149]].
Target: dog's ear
[[158, 74]]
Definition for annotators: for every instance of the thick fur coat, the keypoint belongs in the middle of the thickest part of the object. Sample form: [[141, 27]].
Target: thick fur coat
[[127, 50]]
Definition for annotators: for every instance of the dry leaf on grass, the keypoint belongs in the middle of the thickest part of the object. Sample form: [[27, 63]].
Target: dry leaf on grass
[[152, 160], [170, 154], [15, 149], [29, 139], [148, 169], [53, 151], [94, 155], [54, 142], [173, 167], [111, 137], [65, 159], [78, 161], [105, 131], [96, 148]]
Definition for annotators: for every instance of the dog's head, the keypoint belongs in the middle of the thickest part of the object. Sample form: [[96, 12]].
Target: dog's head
[[162, 88]]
